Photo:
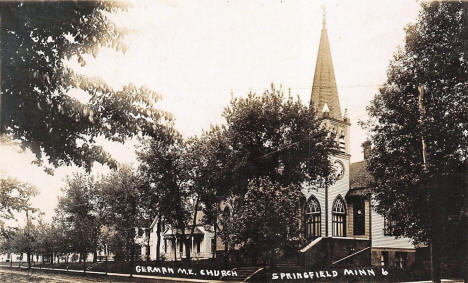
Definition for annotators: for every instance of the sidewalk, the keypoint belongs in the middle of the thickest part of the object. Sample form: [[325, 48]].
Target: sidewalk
[[111, 276]]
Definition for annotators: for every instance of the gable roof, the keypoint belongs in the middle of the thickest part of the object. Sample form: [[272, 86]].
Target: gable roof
[[359, 177]]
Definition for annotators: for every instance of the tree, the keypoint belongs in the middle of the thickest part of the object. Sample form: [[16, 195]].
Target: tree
[[265, 221], [21, 240], [420, 197], [14, 196], [36, 104], [122, 195], [164, 170], [270, 136], [54, 239], [206, 163], [7, 240], [276, 136], [78, 209]]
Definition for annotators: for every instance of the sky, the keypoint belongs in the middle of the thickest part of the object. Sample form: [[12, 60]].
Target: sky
[[198, 54]]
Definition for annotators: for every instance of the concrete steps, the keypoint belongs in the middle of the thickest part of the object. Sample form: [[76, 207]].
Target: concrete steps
[[288, 263]]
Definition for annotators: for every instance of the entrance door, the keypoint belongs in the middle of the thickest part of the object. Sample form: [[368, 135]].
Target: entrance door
[[359, 217]]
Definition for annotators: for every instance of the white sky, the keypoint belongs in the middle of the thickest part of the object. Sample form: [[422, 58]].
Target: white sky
[[195, 53]]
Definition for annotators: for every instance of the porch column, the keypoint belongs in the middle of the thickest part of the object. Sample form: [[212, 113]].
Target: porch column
[[192, 251]]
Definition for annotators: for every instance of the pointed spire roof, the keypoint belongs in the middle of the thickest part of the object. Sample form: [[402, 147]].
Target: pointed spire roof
[[324, 90]]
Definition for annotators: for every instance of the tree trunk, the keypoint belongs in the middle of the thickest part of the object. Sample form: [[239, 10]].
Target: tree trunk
[[95, 256], [84, 263], [215, 237], [158, 241], [465, 184], [132, 257], [28, 255], [437, 214], [226, 253]]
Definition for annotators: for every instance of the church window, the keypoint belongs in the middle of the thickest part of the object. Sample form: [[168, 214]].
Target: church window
[[312, 218], [338, 218]]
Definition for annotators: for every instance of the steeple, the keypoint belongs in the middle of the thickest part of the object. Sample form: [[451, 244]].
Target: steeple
[[324, 90]]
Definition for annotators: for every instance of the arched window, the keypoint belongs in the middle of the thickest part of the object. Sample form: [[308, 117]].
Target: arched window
[[339, 217], [312, 218]]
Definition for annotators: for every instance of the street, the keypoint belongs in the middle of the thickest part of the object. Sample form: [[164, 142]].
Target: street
[[19, 276], [23, 276]]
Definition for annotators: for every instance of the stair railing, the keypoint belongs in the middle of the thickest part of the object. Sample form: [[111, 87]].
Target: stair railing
[[351, 255], [310, 245]]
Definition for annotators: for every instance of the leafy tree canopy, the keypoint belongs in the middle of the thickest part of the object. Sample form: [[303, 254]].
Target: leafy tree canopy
[[432, 57], [14, 196], [77, 210], [163, 169], [122, 198], [36, 106], [265, 218], [271, 135], [276, 136]]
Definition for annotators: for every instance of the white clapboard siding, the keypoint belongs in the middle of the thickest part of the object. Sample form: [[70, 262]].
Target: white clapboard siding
[[379, 240], [341, 187]]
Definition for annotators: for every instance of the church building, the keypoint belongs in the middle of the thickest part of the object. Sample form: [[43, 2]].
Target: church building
[[338, 222]]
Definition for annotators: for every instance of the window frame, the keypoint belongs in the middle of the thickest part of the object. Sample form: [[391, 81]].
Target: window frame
[[389, 227], [312, 218], [339, 217]]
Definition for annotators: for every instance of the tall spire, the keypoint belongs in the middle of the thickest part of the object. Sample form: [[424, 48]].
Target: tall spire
[[324, 90]]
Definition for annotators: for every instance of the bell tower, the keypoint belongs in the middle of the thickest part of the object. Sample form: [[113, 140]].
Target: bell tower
[[324, 97], [325, 100]]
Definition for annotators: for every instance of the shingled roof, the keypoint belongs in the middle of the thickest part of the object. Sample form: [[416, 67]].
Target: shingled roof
[[359, 177], [324, 91]]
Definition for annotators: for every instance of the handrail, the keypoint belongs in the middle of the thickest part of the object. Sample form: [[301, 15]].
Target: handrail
[[351, 255], [313, 243], [251, 275]]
